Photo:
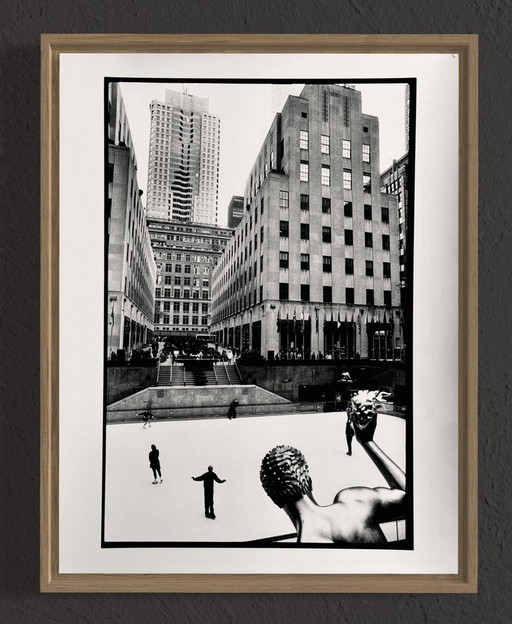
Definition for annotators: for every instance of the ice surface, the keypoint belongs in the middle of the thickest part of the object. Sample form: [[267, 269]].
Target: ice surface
[[137, 510]]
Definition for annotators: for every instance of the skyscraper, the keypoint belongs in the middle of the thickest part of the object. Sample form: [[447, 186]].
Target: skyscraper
[[183, 171], [313, 265]]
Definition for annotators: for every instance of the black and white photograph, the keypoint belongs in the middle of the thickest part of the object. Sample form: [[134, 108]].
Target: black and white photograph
[[258, 262]]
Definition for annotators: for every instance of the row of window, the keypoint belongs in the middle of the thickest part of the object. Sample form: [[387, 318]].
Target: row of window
[[176, 306], [326, 207], [326, 176], [177, 293], [325, 146], [327, 265], [284, 232], [327, 294], [184, 321]]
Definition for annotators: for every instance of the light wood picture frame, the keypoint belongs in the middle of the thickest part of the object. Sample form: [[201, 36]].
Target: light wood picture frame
[[52, 579]]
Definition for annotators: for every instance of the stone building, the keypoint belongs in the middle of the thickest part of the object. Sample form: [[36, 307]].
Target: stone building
[[183, 172], [131, 269], [313, 266]]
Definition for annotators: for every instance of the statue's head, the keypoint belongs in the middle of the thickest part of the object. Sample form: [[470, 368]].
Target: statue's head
[[210, 468], [284, 475]]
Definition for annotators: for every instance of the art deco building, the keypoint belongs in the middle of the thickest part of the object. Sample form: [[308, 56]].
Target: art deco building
[[313, 265], [183, 171], [235, 211], [131, 269], [185, 255], [395, 181]]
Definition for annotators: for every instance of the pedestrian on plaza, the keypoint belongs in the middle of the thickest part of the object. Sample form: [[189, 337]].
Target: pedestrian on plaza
[[154, 463], [208, 479], [232, 409], [146, 417], [349, 434]]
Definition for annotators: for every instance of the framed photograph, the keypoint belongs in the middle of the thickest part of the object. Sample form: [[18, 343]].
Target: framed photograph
[[258, 352]]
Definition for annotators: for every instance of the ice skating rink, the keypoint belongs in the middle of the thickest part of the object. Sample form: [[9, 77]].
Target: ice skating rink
[[137, 510]]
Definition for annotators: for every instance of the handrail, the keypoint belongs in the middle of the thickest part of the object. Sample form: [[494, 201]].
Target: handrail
[[238, 371], [215, 375]]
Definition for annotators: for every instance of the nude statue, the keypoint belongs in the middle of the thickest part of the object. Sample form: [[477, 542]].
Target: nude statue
[[356, 512]]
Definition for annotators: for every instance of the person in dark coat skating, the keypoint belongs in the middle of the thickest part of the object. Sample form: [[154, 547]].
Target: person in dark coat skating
[[154, 463], [208, 478]]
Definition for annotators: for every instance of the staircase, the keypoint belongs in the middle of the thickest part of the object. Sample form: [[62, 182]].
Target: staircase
[[178, 376], [164, 376], [222, 376], [233, 375]]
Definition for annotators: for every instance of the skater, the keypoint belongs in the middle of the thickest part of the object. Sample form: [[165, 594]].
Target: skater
[[146, 417], [356, 513], [232, 409], [154, 463], [349, 434], [208, 478]]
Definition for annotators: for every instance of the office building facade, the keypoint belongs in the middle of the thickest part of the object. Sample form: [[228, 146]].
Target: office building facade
[[183, 170], [313, 266], [131, 270], [235, 211], [185, 255]]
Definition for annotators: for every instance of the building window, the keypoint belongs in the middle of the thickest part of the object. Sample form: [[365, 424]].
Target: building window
[[177, 280], [176, 306], [368, 212], [304, 171], [385, 241], [204, 320], [387, 298], [186, 293], [283, 259], [369, 268], [304, 140], [168, 268], [365, 128], [283, 229], [385, 215], [195, 308], [261, 234], [326, 175], [261, 264], [262, 205], [349, 237], [185, 320], [347, 179], [366, 153], [186, 281], [346, 149], [349, 266], [326, 205], [177, 293], [369, 297], [283, 291], [326, 234], [176, 319], [368, 239], [386, 270], [304, 231], [347, 209], [194, 320], [327, 294], [261, 293], [168, 280], [304, 202], [349, 296], [304, 262], [327, 264], [177, 268], [158, 292], [304, 292], [186, 308], [205, 294], [283, 199], [324, 143], [367, 186], [304, 115]]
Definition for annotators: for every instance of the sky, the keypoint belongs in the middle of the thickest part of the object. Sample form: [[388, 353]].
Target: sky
[[246, 112]]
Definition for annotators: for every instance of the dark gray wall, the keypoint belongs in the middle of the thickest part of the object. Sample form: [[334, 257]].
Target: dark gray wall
[[21, 23]]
